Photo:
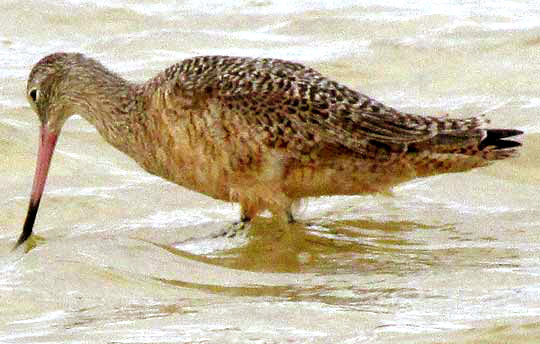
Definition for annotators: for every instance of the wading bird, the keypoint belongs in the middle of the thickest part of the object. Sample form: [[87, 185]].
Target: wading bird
[[262, 132]]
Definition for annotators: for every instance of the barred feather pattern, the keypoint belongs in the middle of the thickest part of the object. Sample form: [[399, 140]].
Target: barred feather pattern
[[267, 132]]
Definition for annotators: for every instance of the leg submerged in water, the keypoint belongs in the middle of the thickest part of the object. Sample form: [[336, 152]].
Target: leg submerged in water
[[235, 228]]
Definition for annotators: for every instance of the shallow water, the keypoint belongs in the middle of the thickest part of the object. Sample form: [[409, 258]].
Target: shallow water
[[117, 259]]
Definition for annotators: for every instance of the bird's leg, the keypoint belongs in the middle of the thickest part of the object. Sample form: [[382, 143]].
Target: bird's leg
[[244, 218], [236, 227], [290, 217]]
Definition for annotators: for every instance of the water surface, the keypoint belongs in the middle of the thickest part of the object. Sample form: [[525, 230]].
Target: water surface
[[117, 259]]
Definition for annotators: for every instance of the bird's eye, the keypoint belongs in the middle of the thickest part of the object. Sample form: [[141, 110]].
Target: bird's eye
[[34, 94]]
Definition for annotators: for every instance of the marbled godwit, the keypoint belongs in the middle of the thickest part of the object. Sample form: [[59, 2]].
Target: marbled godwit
[[261, 132]]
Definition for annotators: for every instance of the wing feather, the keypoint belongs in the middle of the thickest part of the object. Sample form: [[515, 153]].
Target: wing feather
[[293, 102]]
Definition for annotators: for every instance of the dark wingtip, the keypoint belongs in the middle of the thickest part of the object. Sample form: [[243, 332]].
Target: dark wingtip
[[494, 136], [28, 224], [502, 133]]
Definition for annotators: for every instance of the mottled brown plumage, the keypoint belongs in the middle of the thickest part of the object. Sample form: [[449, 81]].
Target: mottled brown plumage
[[261, 132]]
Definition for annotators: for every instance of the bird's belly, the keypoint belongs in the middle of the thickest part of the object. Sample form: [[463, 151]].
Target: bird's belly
[[214, 176], [207, 177], [345, 177]]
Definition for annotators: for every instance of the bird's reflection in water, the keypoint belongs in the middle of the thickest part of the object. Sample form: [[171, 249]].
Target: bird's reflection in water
[[345, 246]]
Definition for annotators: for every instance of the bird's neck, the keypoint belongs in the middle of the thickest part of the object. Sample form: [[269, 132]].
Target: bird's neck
[[110, 103]]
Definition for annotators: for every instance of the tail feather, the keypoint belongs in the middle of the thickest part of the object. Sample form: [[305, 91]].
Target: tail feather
[[475, 142], [462, 150], [494, 138]]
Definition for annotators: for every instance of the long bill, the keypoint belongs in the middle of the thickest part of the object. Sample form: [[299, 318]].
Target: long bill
[[45, 152]]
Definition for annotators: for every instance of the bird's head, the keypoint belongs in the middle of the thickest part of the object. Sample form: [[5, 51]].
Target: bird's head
[[47, 94]]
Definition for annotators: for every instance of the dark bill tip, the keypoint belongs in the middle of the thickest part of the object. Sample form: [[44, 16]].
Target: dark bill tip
[[28, 223]]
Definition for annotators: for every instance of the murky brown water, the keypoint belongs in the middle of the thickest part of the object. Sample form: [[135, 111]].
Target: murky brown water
[[449, 259]]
